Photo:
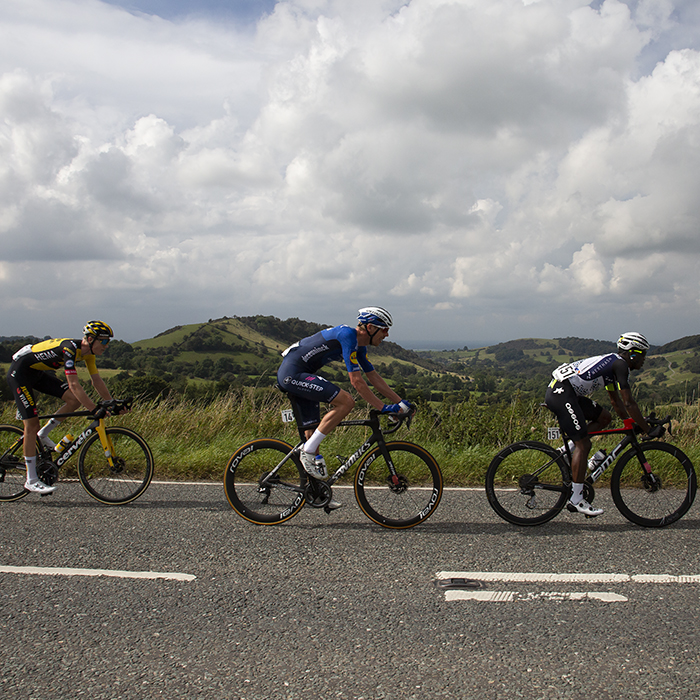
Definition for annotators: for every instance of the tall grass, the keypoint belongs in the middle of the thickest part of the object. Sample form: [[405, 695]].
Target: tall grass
[[194, 440]]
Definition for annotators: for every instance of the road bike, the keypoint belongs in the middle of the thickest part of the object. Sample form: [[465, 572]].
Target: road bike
[[115, 464], [653, 483], [397, 484]]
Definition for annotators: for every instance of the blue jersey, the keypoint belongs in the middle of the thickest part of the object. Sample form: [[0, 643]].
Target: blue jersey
[[339, 343]]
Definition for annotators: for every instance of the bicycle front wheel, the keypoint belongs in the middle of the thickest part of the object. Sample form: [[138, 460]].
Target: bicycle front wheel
[[13, 472], [403, 500], [129, 474], [528, 483], [657, 499], [277, 499]]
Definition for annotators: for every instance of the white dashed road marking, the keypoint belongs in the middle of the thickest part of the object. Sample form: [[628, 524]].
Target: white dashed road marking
[[510, 596], [458, 593], [57, 571]]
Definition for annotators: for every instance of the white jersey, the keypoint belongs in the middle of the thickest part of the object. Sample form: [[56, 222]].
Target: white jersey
[[591, 373]]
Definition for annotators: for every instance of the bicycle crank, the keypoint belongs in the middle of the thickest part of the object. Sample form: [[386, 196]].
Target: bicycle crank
[[318, 494], [47, 472]]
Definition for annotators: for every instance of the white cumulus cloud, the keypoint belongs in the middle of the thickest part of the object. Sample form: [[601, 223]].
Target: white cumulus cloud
[[487, 169]]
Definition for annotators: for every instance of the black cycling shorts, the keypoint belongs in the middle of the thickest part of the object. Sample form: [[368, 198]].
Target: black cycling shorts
[[573, 412], [23, 382]]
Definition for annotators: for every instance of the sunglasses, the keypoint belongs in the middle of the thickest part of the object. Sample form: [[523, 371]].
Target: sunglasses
[[103, 341]]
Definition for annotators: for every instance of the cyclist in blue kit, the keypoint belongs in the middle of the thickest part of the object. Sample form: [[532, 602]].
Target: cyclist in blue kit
[[298, 375], [568, 398]]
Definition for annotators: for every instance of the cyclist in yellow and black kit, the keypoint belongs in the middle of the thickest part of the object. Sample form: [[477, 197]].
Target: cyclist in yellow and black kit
[[31, 371]]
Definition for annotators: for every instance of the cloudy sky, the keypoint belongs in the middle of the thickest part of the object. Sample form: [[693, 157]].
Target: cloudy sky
[[485, 169]]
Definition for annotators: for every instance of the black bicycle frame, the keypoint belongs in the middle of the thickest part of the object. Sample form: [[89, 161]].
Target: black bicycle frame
[[629, 439], [377, 437]]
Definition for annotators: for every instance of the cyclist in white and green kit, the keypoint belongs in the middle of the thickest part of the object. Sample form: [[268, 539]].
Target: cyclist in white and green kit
[[568, 398]]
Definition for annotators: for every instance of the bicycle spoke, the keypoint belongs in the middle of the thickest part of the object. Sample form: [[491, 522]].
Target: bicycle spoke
[[658, 499], [404, 500], [264, 502], [526, 484], [13, 472], [129, 474]]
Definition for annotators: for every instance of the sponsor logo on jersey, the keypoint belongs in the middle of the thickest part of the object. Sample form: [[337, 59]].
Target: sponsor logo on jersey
[[353, 357], [314, 351]]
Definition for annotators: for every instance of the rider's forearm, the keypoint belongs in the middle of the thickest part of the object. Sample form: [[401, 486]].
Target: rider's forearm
[[101, 387], [360, 386], [80, 394], [382, 387], [636, 414], [618, 406], [630, 406]]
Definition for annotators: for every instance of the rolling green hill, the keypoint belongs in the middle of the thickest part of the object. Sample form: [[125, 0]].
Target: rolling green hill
[[206, 359]]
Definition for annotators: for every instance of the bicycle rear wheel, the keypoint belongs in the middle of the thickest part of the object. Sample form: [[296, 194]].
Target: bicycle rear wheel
[[405, 500], [658, 500], [127, 478], [278, 499], [13, 472], [528, 483]]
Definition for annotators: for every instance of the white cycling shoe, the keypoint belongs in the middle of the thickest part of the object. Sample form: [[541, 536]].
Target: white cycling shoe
[[47, 443], [583, 506], [38, 487], [316, 467]]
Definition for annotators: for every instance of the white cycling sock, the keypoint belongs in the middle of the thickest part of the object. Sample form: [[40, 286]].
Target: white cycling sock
[[44, 432], [31, 468], [576, 493], [312, 444]]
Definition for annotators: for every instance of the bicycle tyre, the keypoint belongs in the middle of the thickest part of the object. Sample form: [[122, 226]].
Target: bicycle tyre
[[640, 503], [512, 492], [406, 503], [275, 503], [127, 479], [13, 471]]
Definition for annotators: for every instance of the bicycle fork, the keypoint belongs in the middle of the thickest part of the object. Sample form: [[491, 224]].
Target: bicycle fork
[[106, 441]]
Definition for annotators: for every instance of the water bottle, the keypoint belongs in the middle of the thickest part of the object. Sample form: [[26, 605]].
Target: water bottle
[[596, 459], [65, 441]]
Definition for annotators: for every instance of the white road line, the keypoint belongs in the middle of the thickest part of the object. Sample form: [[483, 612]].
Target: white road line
[[664, 578], [567, 578], [57, 571], [510, 596], [533, 577]]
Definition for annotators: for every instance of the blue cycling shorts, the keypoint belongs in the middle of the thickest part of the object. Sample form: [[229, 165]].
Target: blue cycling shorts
[[310, 390]]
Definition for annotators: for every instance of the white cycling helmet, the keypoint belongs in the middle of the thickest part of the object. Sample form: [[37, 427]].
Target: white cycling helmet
[[375, 315], [632, 341]]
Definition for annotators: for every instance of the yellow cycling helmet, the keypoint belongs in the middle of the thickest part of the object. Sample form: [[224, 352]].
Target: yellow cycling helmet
[[98, 329]]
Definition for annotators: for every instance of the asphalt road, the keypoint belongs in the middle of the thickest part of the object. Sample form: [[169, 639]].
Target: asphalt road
[[333, 606]]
